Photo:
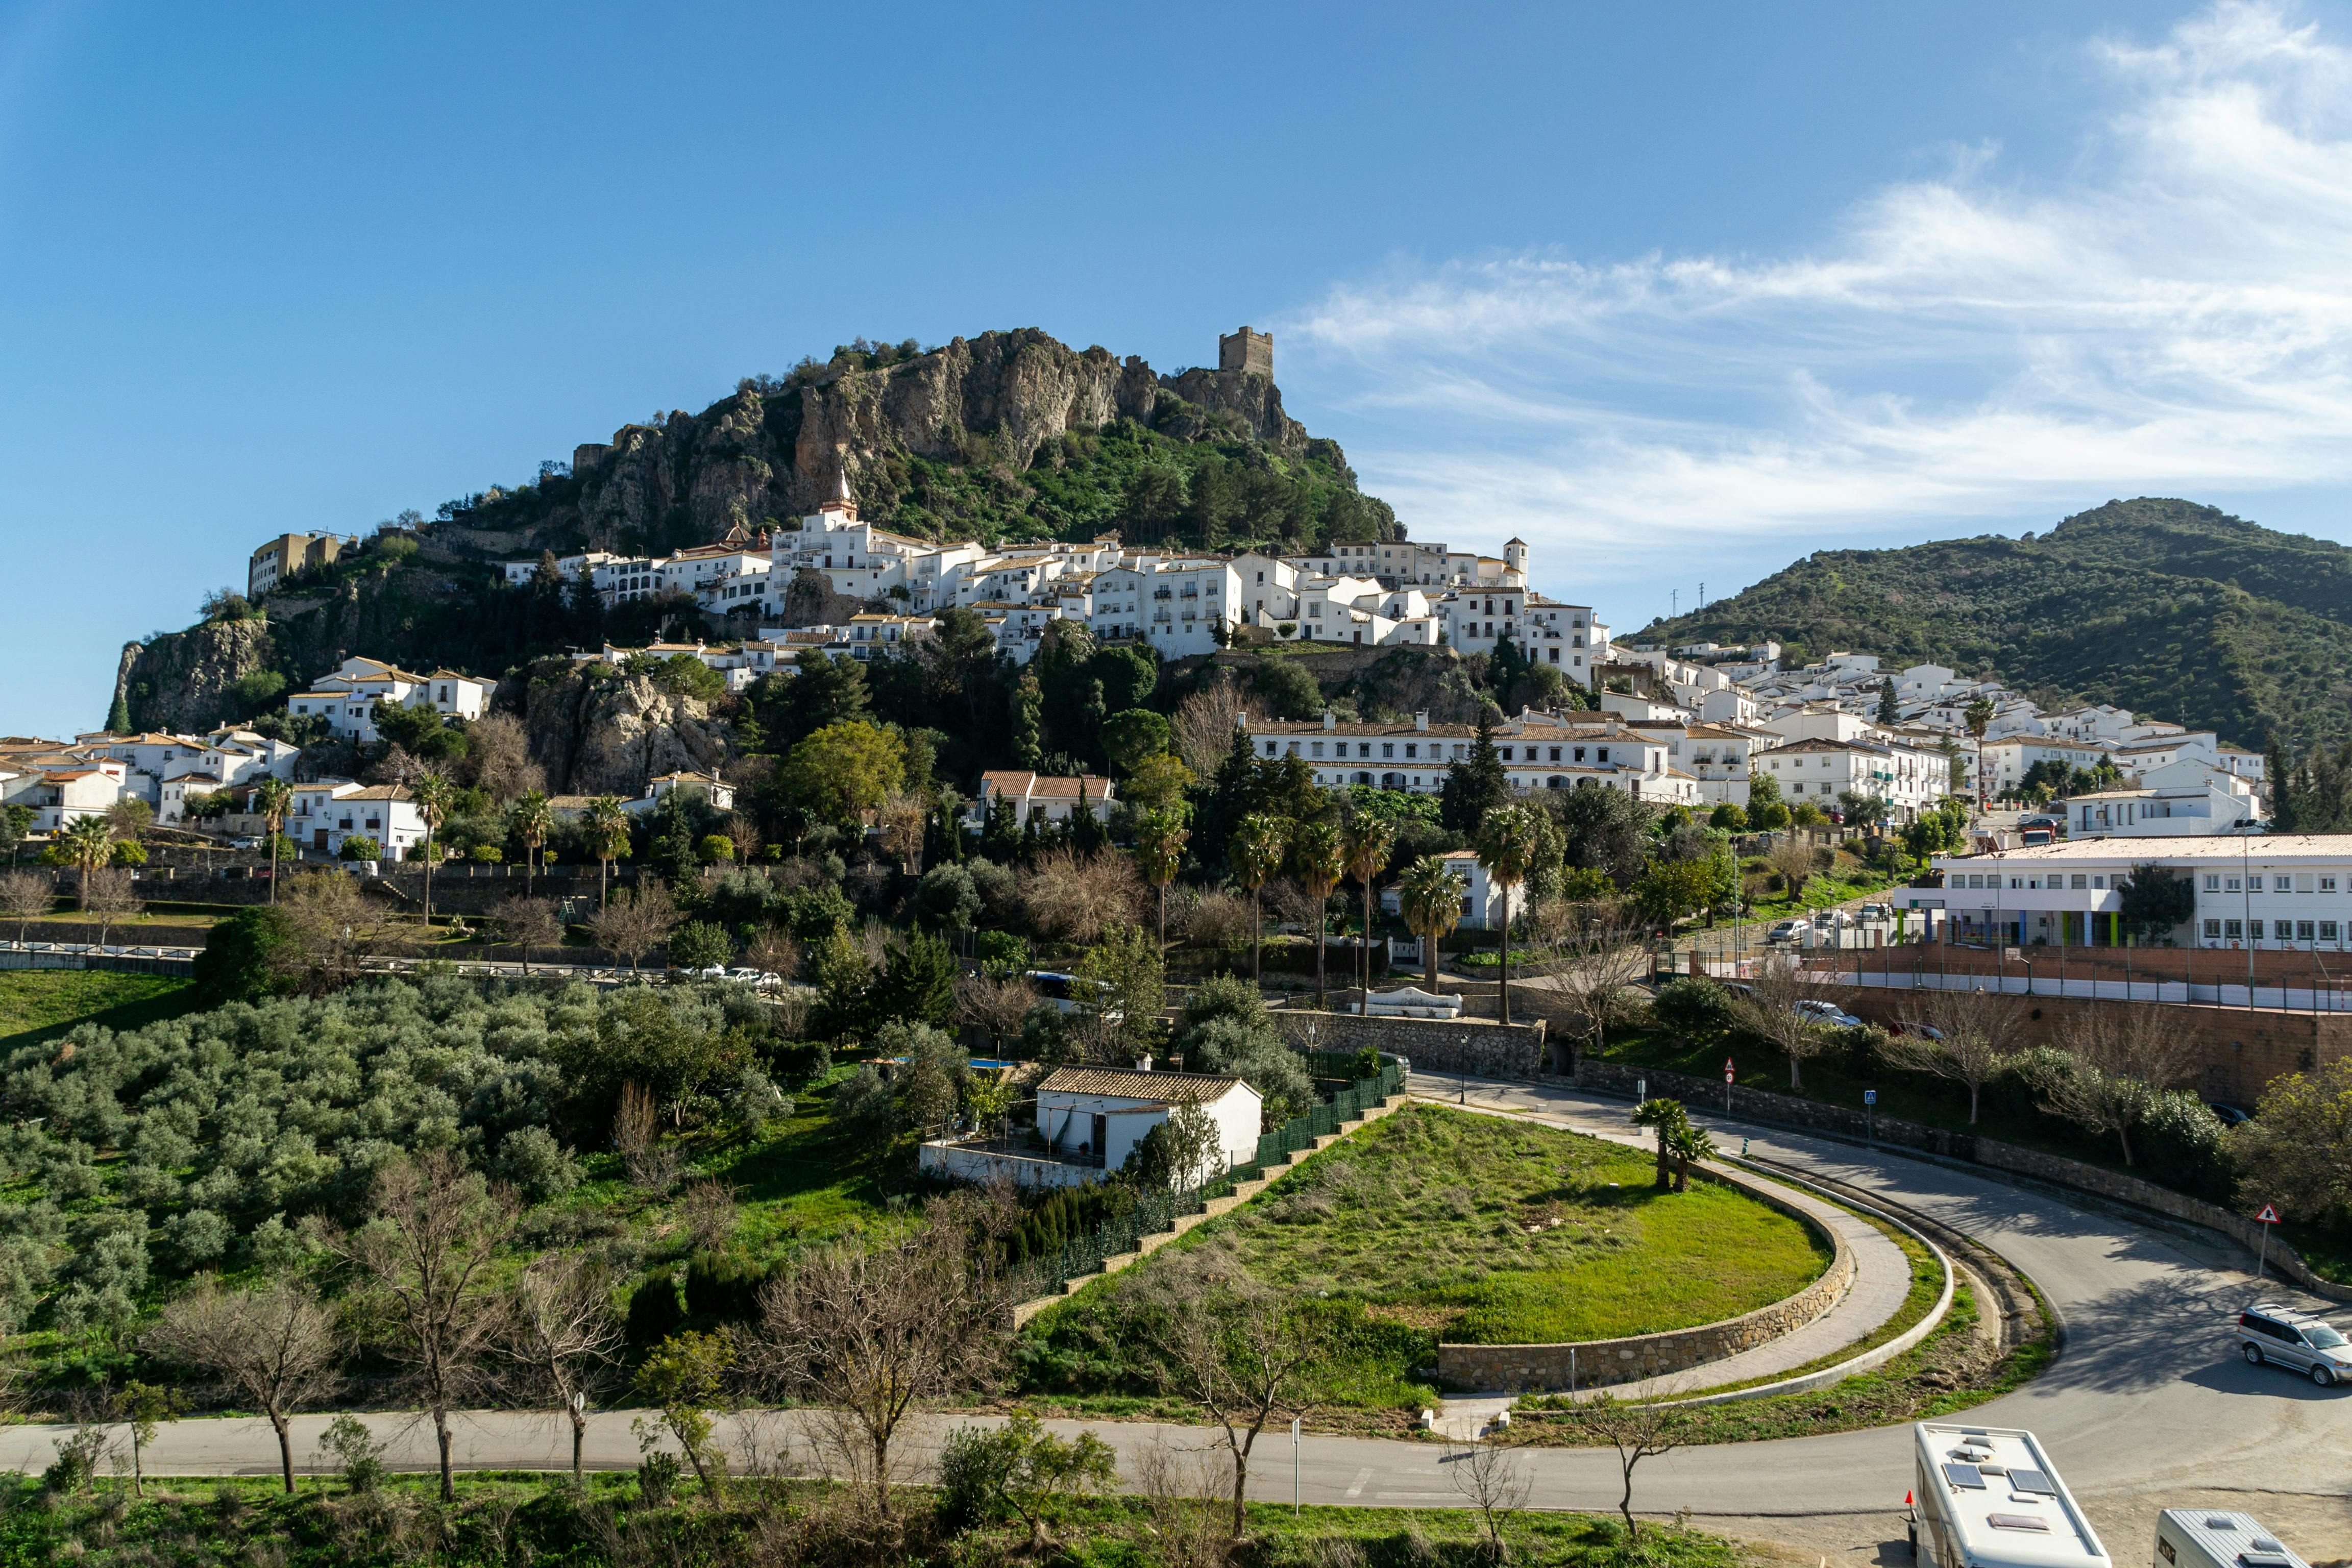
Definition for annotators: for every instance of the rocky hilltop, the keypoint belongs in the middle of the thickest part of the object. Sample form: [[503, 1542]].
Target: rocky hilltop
[[1008, 435]]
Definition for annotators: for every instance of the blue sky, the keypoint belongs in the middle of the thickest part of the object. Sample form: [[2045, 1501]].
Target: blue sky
[[1674, 292]]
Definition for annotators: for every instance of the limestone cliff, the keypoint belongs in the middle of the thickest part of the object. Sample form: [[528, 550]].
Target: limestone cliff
[[186, 681], [598, 731]]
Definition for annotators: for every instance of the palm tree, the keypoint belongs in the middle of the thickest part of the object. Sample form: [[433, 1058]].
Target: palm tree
[[1979, 715], [274, 799], [1159, 837], [608, 832], [1507, 844], [1321, 861], [1366, 841], [1429, 895], [434, 794], [1688, 1144], [1259, 842], [90, 843], [1669, 1118], [532, 820]]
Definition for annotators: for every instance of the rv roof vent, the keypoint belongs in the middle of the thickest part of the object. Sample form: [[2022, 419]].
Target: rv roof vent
[[2220, 1521]]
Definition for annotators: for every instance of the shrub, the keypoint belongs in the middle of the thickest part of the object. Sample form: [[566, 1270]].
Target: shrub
[[1259, 1059], [862, 1103], [723, 1289], [974, 1469], [658, 1479], [486, 854], [358, 1456], [2184, 1146], [713, 849], [1697, 1010], [1002, 955], [247, 956], [700, 945], [654, 1313], [200, 1237], [537, 1166], [360, 847]]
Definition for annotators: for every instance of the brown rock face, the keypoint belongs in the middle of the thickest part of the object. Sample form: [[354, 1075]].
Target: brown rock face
[[995, 398], [601, 734], [181, 682]]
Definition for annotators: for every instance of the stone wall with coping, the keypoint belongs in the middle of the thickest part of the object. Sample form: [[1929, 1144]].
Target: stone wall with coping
[[1596, 1364], [1476, 1046]]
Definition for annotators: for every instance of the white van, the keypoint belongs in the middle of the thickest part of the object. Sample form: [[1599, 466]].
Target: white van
[[2206, 1538], [1988, 1497]]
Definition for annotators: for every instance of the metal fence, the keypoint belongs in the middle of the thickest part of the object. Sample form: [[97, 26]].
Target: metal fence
[[1155, 1212]]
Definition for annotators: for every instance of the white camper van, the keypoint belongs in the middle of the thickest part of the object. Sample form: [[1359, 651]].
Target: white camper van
[[2205, 1537], [1988, 1497]]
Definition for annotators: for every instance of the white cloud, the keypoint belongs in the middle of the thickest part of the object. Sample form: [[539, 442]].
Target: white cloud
[[2177, 316]]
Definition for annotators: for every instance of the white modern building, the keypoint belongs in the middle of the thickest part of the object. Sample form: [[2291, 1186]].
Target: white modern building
[[2285, 890], [1090, 1120]]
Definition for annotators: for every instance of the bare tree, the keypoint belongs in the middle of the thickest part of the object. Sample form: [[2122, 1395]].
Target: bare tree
[[866, 1335], [275, 1346], [424, 1259], [112, 896], [652, 1164], [708, 1210], [497, 758], [997, 1006], [633, 922], [902, 817], [528, 923], [1489, 1479], [1203, 726], [1076, 898], [1773, 1007], [1217, 918], [1237, 1349], [25, 897], [772, 950], [1960, 1036], [2123, 1059], [1637, 1432], [561, 1337], [1594, 962], [336, 928]]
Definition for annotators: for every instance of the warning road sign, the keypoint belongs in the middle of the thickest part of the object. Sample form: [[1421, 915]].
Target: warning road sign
[[2268, 1216]]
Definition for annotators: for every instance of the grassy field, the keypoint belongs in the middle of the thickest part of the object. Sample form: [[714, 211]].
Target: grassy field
[[1494, 1232], [1436, 1224], [536, 1521], [38, 1004]]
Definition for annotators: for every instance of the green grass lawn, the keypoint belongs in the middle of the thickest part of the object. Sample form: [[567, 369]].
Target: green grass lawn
[[1437, 1224], [39, 1004]]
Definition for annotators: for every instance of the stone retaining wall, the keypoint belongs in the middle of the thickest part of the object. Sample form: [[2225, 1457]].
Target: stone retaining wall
[[1594, 1364], [1477, 1046]]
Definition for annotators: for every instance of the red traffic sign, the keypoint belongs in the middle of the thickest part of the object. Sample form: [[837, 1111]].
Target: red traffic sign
[[1727, 1070], [2268, 1216]]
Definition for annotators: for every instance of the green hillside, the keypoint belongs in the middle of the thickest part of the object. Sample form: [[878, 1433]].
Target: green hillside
[[2162, 607]]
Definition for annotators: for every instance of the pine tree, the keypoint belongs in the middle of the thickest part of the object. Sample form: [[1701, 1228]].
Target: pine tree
[[1000, 839], [1475, 785], [1028, 704], [1888, 714], [118, 716]]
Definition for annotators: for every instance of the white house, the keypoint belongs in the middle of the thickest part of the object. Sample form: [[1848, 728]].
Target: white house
[[716, 791], [1041, 796], [385, 813], [1090, 1120], [2181, 811], [1479, 904], [60, 797]]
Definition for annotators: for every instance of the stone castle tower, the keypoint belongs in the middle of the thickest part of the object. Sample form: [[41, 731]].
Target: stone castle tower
[[1250, 353]]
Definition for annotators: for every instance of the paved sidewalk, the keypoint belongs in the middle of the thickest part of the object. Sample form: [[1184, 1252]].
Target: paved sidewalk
[[1882, 1274]]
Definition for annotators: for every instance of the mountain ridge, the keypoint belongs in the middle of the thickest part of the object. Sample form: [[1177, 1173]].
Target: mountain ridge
[[2160, 605]]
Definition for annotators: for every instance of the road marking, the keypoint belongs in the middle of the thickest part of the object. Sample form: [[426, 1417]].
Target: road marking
[[1357, 1489], [1419, 1497]]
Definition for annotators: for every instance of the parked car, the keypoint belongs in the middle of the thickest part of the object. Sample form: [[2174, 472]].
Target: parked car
[[716, 972], [2271, 1333], [246, 843], [744, 976], [1791, 931], [1829, 1012], [1878, 911], [1917, 1030], [2229, 1115]]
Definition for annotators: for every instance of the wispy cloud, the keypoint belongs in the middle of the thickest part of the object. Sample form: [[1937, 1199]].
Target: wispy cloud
[[2177, 315]]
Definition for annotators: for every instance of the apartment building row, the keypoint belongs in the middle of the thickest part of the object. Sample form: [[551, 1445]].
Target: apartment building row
[[62, 780]]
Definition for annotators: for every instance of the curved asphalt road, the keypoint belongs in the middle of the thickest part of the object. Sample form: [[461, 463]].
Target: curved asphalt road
[[2148, 1406]]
